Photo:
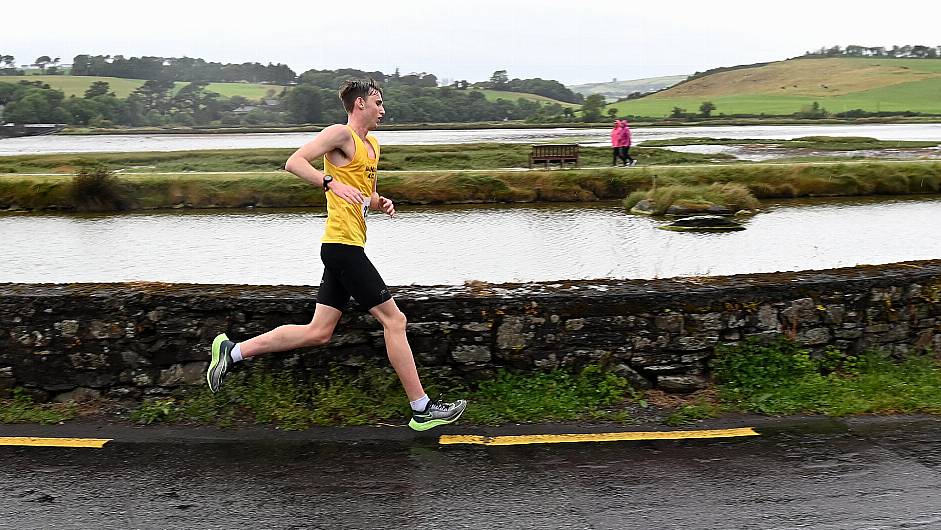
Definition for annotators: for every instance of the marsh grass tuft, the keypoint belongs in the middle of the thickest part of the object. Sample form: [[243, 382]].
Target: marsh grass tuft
[[732, 195], [95, 188]]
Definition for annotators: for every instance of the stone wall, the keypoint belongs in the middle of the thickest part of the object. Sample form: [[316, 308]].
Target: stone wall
[[136, 339]]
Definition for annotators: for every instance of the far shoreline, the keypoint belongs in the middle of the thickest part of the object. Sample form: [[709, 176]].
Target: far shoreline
[[72, 131]]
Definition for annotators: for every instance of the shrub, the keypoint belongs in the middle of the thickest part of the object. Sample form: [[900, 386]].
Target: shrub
[[95, 188]]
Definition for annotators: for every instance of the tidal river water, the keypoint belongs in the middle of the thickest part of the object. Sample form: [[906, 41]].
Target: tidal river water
[[451, 245], [181, 142]]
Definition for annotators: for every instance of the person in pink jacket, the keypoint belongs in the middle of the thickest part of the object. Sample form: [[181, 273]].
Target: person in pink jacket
[[616, 142], [624, 139]]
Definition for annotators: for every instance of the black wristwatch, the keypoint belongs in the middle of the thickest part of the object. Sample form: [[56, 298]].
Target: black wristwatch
[[327, 179]]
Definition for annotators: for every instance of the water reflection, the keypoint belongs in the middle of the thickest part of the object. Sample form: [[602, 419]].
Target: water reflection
[[178, 142], [450, 245]]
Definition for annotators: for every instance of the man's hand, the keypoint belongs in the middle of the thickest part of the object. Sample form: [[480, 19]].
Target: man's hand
[[386, 206], [347, 193]]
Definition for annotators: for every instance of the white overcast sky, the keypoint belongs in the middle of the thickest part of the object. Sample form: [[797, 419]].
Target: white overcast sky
[[572, 41]]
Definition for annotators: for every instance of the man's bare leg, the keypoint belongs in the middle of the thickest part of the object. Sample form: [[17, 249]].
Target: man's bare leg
[[293, 336], [426, 414], [225, 352], [397, 348]]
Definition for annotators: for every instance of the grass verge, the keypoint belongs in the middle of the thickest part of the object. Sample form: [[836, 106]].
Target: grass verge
[[21, 409], [374, 395], [783, 378]]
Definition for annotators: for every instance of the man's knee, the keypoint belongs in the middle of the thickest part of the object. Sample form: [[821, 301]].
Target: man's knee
[[395, 321], [317, 337]]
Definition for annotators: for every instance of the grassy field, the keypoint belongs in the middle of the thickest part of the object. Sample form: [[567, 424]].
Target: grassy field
[[493, 95], [786, 87], [76, 85], [480, 156], [280, 189], [394, 157]]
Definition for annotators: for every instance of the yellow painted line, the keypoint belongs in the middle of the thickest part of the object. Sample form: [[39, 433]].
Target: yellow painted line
[[596, 437], [54, 442]]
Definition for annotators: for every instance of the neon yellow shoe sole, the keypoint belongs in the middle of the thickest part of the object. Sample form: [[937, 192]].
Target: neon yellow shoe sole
[[214, 364]]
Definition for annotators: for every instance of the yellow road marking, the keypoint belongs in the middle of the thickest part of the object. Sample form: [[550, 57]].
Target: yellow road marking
[[596, 437], [54, 442]]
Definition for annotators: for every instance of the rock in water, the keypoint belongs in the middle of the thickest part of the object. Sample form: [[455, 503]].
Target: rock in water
[[708, 223]]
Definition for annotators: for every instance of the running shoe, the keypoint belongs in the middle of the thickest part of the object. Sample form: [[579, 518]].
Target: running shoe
[[437, 413], [220, 363]]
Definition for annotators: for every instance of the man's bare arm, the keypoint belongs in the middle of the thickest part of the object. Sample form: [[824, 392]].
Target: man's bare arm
[[327, 140]]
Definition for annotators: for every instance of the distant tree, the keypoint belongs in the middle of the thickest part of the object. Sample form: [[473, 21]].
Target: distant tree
[[155, 95], [678, 112], [197, 102], [613, 113], [814, 111], [304, 104], [591, 109], [8, 65], [499, 80], [41, 62], [81, 111], [706, 109], [568, 113], [923, 52], [37, 105], [7, 92], [98, 88]]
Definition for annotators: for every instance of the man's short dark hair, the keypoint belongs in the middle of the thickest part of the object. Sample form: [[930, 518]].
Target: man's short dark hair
[[357, 88]]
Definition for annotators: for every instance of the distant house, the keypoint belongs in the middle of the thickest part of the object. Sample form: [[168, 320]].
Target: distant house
[[244, 109]]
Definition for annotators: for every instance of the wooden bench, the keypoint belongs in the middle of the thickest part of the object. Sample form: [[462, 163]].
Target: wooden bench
[[560, 153]]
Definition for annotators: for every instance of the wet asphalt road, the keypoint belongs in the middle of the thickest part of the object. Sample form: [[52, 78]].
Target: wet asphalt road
[[855, 474]]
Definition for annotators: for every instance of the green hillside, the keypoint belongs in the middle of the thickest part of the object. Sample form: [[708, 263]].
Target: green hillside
[[785, 87], [76, 85], [613, 90], [493, 95]]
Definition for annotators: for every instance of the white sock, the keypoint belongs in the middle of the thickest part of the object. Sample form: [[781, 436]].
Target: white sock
[[236, 353], [419, 404]]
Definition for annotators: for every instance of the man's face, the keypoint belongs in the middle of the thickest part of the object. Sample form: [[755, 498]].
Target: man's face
[[373, 109]]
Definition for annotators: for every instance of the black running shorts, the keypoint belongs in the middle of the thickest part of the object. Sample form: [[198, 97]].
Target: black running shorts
[[348, 272]]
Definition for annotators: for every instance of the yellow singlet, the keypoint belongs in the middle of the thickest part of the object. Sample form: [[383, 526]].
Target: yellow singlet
[[346, 223]]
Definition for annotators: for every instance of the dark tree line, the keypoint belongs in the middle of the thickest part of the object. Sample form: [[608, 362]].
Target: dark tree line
[[543, 87], [908, 51], [155, 103], [310, 97], [410, 98], [180, 69], [160, 103]]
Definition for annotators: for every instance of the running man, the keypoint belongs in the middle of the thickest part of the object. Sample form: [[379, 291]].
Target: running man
[[350, 158]]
